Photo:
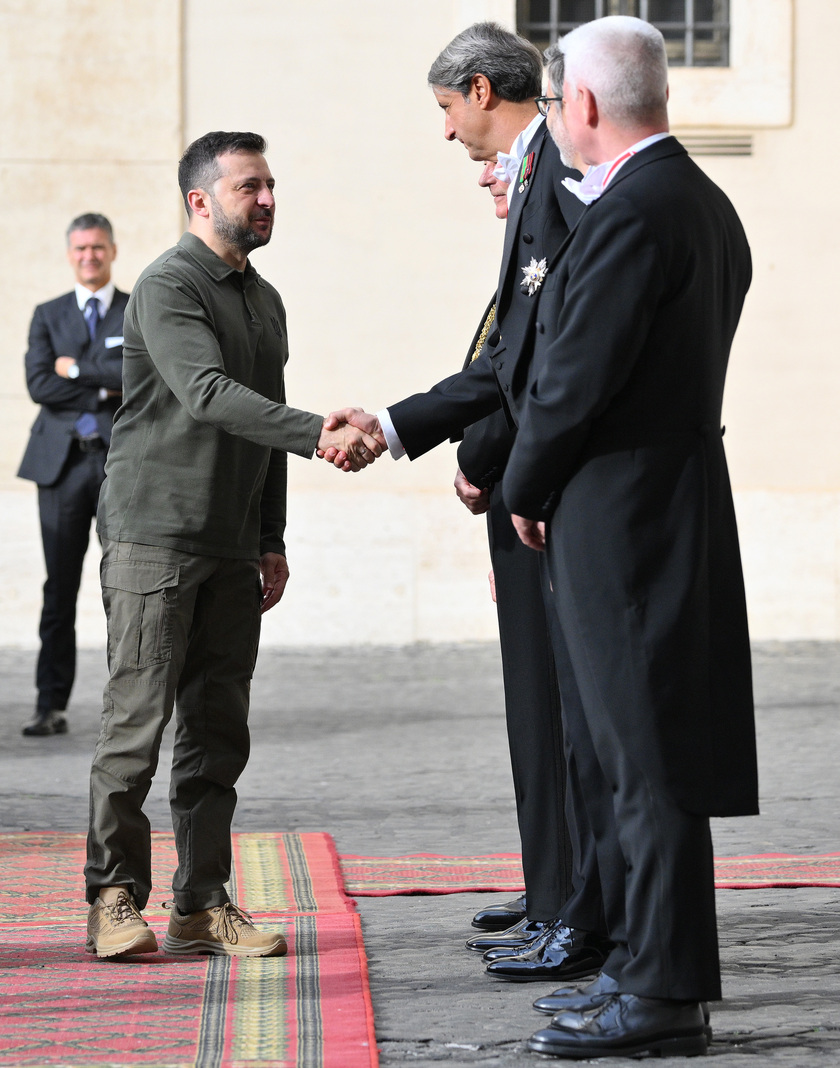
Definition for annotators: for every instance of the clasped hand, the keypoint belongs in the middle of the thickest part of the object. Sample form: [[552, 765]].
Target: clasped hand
[[351, 439]]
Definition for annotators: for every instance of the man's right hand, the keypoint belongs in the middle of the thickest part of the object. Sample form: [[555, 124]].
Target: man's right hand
[[477, 500], [350, 439]]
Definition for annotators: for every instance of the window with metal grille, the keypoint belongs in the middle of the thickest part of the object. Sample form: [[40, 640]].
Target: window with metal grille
[[696, 32]]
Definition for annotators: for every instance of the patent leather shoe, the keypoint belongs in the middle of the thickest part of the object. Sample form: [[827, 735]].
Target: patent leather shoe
[[584, 998], [520, 936], [568, 954], [500, 917], [577, 998], [625, 1025], [548, 931]]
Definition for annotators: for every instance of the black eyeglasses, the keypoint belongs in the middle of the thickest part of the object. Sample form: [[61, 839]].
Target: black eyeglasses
[[544, 103]]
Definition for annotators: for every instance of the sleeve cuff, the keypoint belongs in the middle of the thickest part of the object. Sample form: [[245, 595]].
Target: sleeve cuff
[[395, 446]]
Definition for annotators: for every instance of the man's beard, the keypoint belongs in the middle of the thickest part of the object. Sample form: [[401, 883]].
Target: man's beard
[[234, 234], [565, 146]]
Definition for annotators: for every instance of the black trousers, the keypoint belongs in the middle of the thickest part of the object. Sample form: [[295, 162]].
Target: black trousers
[[66, 510], [532, 706], [655, 860]]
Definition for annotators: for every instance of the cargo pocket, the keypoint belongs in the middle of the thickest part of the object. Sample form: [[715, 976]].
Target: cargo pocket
[[140, 600]]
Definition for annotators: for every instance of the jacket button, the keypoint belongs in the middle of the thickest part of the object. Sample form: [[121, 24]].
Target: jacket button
[[528, 239], [506, 387], [540, 328], [499, 364]]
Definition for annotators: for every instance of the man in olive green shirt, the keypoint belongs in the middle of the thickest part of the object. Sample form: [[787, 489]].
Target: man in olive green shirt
[[192, 516]]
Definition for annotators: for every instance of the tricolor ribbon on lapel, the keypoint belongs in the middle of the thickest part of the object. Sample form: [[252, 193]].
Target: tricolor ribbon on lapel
[[525, 171]]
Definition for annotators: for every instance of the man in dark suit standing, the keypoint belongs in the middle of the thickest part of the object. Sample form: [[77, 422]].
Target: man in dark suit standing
[[485, 81], [74, 371], [618, 473], [480, 82]]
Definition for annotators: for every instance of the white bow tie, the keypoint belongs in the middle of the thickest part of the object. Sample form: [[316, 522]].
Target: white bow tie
[[584, 195], [507, 167], [596, 179]]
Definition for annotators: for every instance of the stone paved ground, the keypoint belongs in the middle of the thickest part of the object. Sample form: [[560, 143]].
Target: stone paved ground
[[403, 751]]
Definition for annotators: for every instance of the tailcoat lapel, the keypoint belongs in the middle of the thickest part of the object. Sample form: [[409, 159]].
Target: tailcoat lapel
[[517, 205]]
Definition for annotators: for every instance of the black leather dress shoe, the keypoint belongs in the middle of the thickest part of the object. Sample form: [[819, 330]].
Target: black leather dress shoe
[[625, 1026], [584, 998], [568, 954], [511, 949], [44, 723], [520, 936], [500, 917], [577, 998]]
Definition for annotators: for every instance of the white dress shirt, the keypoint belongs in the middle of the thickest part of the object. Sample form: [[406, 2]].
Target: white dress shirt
[[105, 296], [596, 179], [507, 167]]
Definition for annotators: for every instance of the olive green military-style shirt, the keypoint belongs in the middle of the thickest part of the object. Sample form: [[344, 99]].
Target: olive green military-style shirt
[[198, 455]]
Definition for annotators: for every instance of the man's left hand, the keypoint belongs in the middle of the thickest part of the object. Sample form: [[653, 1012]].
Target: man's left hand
[[477, 500], [531, 532], [275, 575]]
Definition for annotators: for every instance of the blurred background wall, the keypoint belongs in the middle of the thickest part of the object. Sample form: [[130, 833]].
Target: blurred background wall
[[385, 252]]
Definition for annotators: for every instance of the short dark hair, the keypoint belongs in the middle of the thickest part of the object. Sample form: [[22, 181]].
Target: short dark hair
[[512, 65], [199, 166], [91, 220]]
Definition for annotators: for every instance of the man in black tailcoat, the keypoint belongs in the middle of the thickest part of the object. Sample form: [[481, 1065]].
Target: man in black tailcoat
[[486, 81], [618, 472], [74, 371]]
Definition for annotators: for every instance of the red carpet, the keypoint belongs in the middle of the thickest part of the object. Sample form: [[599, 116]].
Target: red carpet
[[62, 1006], [428, 873]]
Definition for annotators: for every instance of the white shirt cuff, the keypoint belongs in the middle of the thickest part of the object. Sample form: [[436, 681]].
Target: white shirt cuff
[[395, 446]]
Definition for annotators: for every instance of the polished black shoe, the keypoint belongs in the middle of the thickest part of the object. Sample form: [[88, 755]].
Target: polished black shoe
[[568, 954], [44, 723], [500, 917], [511, 949], [520, 936], [585, 998], [625, 1026], [578, 998]]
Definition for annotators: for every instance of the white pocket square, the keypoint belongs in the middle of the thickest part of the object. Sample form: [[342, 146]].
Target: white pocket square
[[112, 342]]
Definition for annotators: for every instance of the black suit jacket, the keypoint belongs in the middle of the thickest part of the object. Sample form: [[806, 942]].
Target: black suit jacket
[[620, 447], [59, 329], [540, 219]]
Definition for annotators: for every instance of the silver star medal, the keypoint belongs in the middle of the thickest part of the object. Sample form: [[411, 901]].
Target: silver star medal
[[534, 275]]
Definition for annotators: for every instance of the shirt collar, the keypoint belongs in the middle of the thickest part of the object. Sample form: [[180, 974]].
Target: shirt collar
[[214, 265], [104, 295], [507, 165], [596, 179]]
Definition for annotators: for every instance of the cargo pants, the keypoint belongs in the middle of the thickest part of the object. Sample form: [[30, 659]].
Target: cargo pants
[[183, 632]]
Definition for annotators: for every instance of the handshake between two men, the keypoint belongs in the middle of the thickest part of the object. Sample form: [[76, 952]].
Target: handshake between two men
[[351, 439]]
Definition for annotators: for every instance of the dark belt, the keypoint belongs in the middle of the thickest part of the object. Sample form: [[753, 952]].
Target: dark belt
[[90, 444]]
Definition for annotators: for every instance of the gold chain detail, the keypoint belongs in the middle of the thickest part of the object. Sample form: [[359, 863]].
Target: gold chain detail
[[485, 330]]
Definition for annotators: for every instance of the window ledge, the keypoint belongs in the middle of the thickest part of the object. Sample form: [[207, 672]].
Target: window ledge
[[757, 89]]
